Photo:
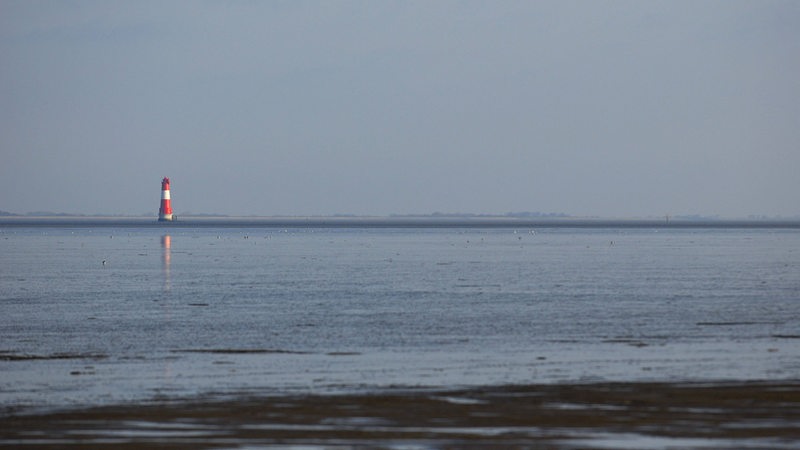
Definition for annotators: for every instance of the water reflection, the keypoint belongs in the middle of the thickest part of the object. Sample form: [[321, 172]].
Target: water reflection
[[166, 243]]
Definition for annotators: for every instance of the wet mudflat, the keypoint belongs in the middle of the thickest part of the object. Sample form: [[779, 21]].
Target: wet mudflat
[[605, 415]]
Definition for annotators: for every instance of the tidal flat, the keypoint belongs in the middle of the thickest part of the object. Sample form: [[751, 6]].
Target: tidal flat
[[226, 337], [555, 416]]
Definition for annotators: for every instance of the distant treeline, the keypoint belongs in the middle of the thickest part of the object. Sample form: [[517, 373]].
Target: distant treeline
[[523, 214]]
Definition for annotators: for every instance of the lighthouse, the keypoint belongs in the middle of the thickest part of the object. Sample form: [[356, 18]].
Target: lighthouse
[[165, 211]]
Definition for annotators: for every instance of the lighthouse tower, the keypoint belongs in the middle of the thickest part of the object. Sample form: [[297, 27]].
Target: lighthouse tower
[[165, 212]]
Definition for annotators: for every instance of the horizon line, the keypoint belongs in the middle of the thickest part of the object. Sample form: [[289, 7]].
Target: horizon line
[[389, 222], [435, 215]]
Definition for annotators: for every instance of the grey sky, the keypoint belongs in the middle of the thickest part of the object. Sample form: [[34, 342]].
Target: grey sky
[[376, 107]]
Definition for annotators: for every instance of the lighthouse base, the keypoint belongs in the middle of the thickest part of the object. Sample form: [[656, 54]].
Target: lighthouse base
[[166, 218]]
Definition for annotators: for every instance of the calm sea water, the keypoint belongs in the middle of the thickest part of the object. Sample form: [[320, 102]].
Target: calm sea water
[[105, 315]]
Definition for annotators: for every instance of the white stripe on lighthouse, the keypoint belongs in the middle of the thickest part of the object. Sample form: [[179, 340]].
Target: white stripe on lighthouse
[[164, 195]]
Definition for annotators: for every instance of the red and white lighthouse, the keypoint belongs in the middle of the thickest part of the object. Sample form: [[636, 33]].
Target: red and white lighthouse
[[165, 212]]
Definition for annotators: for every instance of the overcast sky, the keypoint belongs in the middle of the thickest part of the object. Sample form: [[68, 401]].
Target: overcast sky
[[591, 108]]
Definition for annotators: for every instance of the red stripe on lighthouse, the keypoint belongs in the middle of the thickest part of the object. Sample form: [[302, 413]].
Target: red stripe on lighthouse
[[165, 211]]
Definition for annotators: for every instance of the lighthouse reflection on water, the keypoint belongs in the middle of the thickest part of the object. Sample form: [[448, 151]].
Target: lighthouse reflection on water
[[166, 244]]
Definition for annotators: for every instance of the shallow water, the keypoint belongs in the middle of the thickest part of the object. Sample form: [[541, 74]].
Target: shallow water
[[92, 316]]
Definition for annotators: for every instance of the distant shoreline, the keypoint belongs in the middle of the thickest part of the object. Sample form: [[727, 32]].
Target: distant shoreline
[[388, 222]]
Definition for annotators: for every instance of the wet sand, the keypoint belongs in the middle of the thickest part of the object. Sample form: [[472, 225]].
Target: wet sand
[[604, 415]]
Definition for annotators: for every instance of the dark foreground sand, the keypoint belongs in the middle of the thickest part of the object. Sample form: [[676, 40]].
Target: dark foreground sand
[[611, 415]]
